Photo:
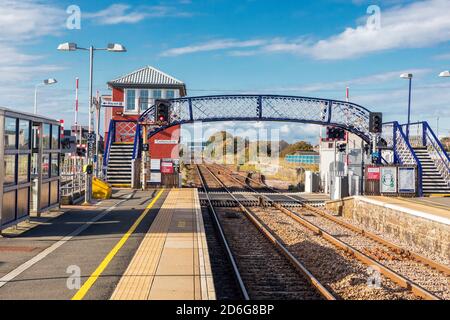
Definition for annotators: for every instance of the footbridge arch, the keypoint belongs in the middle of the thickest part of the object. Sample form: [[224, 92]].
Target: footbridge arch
[[346, 115]]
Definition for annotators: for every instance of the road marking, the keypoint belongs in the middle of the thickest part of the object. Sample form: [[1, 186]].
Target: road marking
[[28, 264], [94, 276]]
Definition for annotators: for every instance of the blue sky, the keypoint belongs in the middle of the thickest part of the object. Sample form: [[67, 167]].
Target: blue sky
[[308, 48]]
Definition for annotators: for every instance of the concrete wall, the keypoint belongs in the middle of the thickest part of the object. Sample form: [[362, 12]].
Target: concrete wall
[[427, 232]]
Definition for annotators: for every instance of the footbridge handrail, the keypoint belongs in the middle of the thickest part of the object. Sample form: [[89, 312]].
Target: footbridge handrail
[[437, 152]]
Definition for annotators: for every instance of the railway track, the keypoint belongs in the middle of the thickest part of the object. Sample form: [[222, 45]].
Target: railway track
[[263, 267], [423, 277]]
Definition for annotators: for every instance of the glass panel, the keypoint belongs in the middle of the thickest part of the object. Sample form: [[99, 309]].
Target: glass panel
[[45, 194], [143, 100], [22, 172], [46, 136], [45, 166], [24, 134], [55, 137], [55, 165], [9, 207], [131, 100], [23, 202], [170, 94], [10, 132], [157, 94], [54, 192], [34, 164], [10, 170]]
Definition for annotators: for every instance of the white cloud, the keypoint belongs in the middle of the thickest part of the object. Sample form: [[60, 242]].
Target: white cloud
[[23, 23], [375, 79], [213, 45], [416, 25], [26, 19], [124, 13], [444, 56]]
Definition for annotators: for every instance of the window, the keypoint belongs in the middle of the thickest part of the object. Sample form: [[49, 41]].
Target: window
[[55, 137], [131, 100], [24, 134], [10, 133], [170, 94], [157, 94], [22, 171], [46, 136], [144, 101], [55, 165], [10, 170], [45, 165]]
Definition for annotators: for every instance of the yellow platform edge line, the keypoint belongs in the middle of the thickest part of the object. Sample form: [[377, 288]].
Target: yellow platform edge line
[[81, 293]]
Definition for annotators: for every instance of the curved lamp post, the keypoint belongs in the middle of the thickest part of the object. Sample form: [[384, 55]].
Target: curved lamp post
[[408, 76], [46, 82]]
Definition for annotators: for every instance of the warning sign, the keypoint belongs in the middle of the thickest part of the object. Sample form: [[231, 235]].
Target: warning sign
[[373, 173], [167, 167]]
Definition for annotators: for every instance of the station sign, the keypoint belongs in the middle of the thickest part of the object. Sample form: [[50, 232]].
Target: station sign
[[155, 177], [166, 141], [155, 164], [167, 167], [109, 104]]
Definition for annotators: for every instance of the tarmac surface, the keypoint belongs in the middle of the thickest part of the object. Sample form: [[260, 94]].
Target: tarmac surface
[[45, 262]]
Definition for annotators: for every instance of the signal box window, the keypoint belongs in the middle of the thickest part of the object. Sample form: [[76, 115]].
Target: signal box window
[[157, 94], [131, 100], [170, 94], [144, 101]]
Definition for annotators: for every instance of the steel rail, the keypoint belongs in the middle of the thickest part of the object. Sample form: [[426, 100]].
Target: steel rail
[[296, 263], [426, 261], [236, 272], [364, 258]]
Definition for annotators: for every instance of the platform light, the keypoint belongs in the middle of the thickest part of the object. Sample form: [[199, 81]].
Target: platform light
[[406, 76], [67, 46], [116, 47]]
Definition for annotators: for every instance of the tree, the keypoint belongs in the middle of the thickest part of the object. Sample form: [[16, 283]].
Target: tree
[[298, 146], [446, 143]]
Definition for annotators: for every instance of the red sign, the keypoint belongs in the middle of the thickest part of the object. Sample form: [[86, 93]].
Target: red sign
[[373, 173], [167, 167]]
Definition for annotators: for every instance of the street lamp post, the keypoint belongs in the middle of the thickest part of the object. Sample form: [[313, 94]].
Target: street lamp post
[[409, 77], [46, 82], [112, 47]]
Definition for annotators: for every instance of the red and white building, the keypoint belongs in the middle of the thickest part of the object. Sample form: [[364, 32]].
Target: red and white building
[[133, 94]]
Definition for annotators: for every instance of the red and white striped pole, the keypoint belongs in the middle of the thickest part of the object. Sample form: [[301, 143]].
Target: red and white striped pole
[[347, 158], [76, 100]]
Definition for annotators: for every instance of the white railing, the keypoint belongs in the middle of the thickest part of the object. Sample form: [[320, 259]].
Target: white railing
[[72, 177]]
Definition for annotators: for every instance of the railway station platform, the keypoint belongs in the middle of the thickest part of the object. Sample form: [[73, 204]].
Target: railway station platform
[[422, 224], [172, 261]]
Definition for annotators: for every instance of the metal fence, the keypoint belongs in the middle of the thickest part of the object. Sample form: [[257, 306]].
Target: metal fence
[[72, 178]]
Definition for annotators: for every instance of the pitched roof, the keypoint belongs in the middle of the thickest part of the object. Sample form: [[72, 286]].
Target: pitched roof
[[146, 76]]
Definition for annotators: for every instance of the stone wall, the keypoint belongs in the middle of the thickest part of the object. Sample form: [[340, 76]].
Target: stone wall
[[428, 235]]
